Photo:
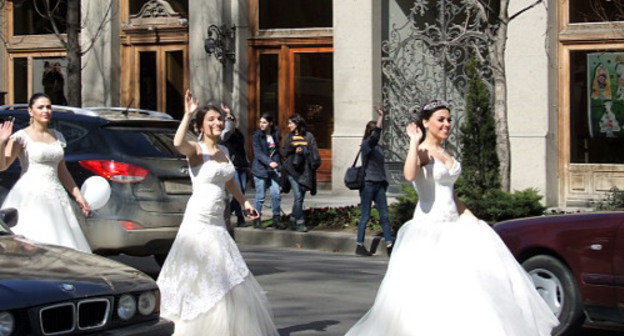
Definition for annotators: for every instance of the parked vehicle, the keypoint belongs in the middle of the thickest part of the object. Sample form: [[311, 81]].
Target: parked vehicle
[[133, 150], [53, 290], [576, 263]]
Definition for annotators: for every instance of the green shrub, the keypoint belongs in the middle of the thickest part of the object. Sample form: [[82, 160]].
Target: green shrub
[[497, 205], [403, 209], [614, 200]]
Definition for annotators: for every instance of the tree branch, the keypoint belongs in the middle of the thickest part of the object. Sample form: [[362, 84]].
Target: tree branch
[[99, 30], [537, 2]]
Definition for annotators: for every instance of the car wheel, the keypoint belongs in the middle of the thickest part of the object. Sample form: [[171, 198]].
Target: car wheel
[[160, 259], [555, 283]]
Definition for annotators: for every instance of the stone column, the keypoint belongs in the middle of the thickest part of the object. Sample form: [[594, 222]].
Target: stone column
[[206, 72], [101, 64], [357, 79], [532, 114]]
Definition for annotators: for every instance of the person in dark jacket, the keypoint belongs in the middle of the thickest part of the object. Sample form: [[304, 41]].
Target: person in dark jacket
[[301, 162], [265, 168], [375, 184], [234, 141]]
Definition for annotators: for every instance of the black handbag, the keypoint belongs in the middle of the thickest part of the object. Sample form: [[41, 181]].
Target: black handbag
[[354, 177]]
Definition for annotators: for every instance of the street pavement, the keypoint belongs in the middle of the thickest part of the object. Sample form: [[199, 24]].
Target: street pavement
[[318, 293]]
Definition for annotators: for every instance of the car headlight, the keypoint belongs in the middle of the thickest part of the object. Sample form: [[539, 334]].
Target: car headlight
[[7, 323], [126, 307], [147, 303]]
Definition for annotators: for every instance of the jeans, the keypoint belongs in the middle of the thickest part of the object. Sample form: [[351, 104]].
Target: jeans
[[240, 176], [297, 209], [271, 182], [374, 191]]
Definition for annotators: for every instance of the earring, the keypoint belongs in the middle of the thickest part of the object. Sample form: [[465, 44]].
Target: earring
[[200, 135]]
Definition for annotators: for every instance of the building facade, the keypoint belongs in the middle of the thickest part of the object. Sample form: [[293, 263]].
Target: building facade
[[326, 60]]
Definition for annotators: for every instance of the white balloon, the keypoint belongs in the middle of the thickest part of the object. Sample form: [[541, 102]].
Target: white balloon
[[96, 191]]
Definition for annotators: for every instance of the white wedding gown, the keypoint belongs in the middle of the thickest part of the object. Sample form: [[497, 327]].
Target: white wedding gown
[[452, 275], [205, 285], [44, 209]]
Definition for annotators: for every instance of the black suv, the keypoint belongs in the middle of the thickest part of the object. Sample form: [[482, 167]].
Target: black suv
[[133, 150]]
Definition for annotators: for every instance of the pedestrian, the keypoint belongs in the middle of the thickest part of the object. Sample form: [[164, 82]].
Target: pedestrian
[[234, 141], [205, 285], [446, 249], [375, 184], [265, 168], [45, 210], [301, 160]]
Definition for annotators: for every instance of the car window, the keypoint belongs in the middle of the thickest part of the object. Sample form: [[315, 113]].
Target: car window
[[75, 136], [145, 142]]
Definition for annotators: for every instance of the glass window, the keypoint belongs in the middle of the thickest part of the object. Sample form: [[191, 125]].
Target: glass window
[[148, 86], [276, 14], [174, 62], [147, 142], [28, 18], [49, 77], [20, 80], [314, 94], [597, 106], [269, 89], [596, 11], [179, 6]]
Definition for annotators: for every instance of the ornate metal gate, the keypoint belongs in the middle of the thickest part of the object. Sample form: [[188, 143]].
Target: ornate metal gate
[[424, 58]]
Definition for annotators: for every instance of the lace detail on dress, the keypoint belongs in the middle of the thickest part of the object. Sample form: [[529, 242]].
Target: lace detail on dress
[[204, 263]]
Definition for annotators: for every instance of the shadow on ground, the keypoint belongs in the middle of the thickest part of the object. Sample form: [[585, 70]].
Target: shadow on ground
[[313, 326]]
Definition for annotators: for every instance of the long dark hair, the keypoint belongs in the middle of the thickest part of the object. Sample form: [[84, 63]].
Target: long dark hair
[[300, 124], [269, 118], [200, 114], [427, 111], [370, 127], [36, 96]]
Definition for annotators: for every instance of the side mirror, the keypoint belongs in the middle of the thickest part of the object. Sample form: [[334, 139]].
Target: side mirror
[[9, 216]]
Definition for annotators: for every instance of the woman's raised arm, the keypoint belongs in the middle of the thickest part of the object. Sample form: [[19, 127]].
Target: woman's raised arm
[[188, 148]]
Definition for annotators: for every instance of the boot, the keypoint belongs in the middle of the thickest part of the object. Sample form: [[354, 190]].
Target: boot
[[300, 226], [277, 223], [258, 224], [362, 251]]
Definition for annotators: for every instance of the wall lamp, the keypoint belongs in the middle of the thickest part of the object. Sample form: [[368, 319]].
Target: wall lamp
[[220, 42]]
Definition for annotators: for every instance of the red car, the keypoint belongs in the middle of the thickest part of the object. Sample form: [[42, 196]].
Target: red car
[[576, 263]]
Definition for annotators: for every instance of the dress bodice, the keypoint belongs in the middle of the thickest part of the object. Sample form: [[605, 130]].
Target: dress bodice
[[435, 191], [40, 158], [208, 179]]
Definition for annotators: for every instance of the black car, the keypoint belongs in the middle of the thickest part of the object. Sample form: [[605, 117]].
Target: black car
[[133, 150], [53, 290]]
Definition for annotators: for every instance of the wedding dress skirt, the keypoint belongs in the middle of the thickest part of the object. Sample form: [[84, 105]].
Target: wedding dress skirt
[[452, 275], [45, 211], [206, 287]]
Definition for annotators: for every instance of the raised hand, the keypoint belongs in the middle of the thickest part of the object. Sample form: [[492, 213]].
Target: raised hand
[[380, 111], [414, 132], [226, 109], [6, 129], [190, 104]]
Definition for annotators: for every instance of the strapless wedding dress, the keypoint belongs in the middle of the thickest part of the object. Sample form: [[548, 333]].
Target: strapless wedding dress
[[452, 275]]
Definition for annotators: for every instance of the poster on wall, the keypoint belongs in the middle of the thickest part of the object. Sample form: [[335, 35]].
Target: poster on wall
[[49, 77], [605, 90]]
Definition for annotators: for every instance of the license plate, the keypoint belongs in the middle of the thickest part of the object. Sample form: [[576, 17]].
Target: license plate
[[178, 187]]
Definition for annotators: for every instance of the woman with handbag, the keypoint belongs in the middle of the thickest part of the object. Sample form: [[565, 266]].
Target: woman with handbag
[[375, 184], [301, 160]]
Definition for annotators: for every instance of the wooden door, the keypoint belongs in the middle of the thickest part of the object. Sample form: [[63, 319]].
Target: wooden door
[[288, 79]]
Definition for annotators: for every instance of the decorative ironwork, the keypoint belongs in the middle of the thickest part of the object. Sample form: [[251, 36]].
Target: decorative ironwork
[[220, 42], [424, 59]]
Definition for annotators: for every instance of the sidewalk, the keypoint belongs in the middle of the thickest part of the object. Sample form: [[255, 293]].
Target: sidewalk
[[337, 242]]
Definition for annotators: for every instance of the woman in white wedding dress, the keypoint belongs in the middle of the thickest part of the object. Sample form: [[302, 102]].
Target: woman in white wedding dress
[[206, 287], [44, 210], [450, 274]]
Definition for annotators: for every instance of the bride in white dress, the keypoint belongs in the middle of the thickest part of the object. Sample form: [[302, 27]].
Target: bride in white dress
[[44, 210], [206, 287], [450, 274]]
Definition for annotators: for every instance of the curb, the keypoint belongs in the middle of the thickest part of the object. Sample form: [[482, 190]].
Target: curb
[[336, 242]]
